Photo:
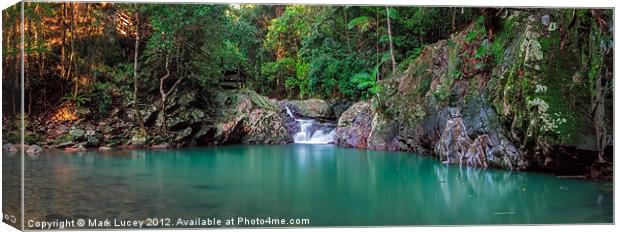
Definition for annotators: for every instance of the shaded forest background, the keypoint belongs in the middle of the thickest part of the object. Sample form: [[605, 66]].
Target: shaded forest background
[[86, 55]]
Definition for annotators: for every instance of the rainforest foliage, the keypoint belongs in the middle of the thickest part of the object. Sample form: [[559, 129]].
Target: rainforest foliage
[[89, 54]]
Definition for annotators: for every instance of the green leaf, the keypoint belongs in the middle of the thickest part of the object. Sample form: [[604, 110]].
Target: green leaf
[[392, 13], [363, 23]]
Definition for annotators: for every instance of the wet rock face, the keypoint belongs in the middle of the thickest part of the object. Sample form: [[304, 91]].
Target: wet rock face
[[472, 146], [456, 147], [290, 124], [354, 126], [383, 134], [453, 144]]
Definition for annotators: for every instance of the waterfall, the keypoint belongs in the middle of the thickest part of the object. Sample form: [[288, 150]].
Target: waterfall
[[312, 131]]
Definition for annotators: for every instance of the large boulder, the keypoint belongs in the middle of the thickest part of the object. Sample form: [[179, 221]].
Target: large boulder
[[383, 133], [246, 117], [354, 126], [180, 137], [312, 108], [93, 138], [77, 133], [139, 137], [266, 127], [230, 132]]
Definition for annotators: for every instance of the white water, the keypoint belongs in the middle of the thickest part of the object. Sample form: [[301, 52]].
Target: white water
[[306, 135]]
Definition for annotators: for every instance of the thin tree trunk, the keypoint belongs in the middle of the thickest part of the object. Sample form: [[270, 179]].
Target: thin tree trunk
[[72, 56], [135, 72], [63, 22], [453, 19], [16, 66], [346, 30], [389, 27], [598, 106], [377, 43], [164, 94], [28, 44]]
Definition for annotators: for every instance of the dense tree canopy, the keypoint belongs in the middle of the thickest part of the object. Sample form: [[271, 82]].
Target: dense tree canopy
[[85, 53]]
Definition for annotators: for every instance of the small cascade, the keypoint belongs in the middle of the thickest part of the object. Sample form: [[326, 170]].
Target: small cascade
[[312, 131]]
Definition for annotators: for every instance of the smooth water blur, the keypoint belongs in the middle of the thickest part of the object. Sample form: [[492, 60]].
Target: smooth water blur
[[327, 184]]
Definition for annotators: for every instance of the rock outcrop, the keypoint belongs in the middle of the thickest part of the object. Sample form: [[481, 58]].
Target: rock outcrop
[[254, 119], [191, 119], [504, 101], [354, 126]]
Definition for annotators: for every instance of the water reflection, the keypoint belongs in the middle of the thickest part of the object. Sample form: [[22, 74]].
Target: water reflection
[[11, 188], [327, 184]]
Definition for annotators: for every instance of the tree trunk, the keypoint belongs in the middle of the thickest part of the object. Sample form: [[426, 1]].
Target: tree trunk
[[16, 59], [63, 44], [164, 94], [377, 44], [72, 62], [453, 19], [389, 28], [27, 81], [346, 30], [135, 72], [598, 105]]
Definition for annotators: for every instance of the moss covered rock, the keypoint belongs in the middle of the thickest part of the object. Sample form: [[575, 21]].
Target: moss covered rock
[[523, 97]]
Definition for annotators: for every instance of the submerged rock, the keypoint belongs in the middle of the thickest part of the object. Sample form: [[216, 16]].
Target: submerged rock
[[104, 148], [64, 144], [77, 148], [32, 149], [8, 147], [160, 146]]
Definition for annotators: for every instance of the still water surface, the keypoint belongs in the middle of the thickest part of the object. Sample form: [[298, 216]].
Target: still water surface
[[329, 185]]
